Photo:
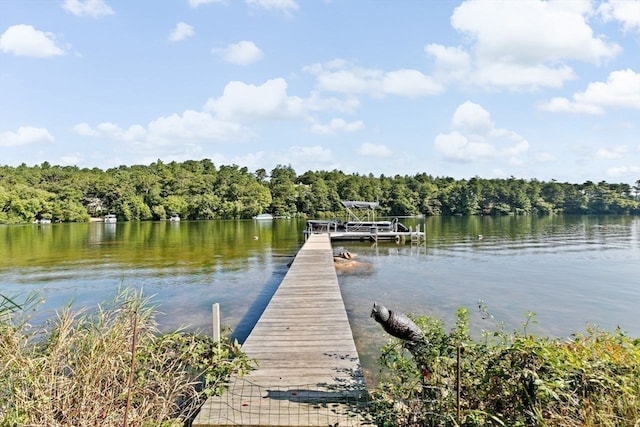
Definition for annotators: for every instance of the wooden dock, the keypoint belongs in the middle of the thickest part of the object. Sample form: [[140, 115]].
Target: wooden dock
[[377, 236], [309, 371], [366, 231]]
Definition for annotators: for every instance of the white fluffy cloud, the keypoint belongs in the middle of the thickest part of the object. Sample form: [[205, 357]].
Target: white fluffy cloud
[[84, 129], [193, 126], [242, 53], [621, 90], [269, 100], [24, 40], [25, 135], [92, 8], [134, 133], [181, 32], [521, 76], [474, 137], [472, 119], [344, 77], [222, 118], [559, 104], [352, 80], [190, 126], [625, 11], [524, 44], [409, 83], [452, 63]]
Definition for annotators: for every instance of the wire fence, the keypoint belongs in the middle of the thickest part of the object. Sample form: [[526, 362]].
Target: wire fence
[[247, 403], [344, 402]]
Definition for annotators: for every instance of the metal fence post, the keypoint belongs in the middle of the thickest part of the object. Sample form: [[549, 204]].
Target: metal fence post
[[458, 385]]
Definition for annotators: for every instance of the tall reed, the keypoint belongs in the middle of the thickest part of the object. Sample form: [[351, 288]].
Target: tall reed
[[108, 367]]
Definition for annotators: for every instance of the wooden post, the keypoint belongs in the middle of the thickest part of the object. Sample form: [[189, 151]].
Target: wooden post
[[216, 322]]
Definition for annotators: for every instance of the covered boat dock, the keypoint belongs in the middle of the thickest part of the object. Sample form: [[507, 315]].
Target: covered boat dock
[[362, 225]]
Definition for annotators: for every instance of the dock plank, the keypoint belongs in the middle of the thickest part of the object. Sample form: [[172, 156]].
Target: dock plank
[[309, 371]]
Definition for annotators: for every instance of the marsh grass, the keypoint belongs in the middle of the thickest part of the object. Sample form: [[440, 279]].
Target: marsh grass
[[108, 367]]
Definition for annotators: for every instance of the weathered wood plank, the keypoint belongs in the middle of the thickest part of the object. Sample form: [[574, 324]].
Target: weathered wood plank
[[309, 370], [317, 337]]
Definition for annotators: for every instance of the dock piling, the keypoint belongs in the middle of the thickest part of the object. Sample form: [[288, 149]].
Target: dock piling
[[215, 311]]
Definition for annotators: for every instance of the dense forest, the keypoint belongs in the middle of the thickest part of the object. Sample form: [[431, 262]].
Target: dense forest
[[200, 190]]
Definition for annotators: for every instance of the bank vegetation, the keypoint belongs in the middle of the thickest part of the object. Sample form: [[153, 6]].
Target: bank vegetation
[[509, 378], [200, 190], [111, 367], [106, 367]]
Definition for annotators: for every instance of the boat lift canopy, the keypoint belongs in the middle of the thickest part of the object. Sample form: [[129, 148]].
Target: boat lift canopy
[[350, 204], [355, 228], [362, 208]]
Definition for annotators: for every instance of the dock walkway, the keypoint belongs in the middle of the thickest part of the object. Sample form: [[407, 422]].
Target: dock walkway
[[309, 370]]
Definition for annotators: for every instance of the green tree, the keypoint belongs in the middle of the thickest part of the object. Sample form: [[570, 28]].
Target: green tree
[[204, 206], [283, 190], [198, 190], [402, 201], [133, 208], [175, 205]]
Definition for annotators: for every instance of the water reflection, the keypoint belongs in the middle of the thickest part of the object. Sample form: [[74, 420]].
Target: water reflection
[[186, 265], [569, 270]]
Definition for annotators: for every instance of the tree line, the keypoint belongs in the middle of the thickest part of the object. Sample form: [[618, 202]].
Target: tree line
[[200, 190]]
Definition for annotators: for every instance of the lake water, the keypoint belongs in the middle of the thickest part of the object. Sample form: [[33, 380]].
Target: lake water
[[570, 270]]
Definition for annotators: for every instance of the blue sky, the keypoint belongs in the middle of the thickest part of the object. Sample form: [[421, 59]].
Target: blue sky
[[527, 88]]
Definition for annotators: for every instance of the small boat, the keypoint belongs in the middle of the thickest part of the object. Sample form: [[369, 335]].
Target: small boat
[[110, 219], [175, 218], [263, 216]]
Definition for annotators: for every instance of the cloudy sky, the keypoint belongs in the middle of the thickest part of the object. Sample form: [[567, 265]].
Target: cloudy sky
[[527, 88]]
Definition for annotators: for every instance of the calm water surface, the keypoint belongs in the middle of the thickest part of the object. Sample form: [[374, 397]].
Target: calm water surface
[[570, 270]]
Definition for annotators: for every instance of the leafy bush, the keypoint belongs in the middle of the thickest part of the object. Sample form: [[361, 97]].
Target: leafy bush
[[512, 379], [109, 368]]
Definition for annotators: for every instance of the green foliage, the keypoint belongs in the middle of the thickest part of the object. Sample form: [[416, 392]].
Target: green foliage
[[101, 367], [175, 205], [510, 379], [199, 190]]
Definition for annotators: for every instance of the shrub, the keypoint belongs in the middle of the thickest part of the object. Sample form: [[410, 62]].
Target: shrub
[[512, 379], [110, 367]]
